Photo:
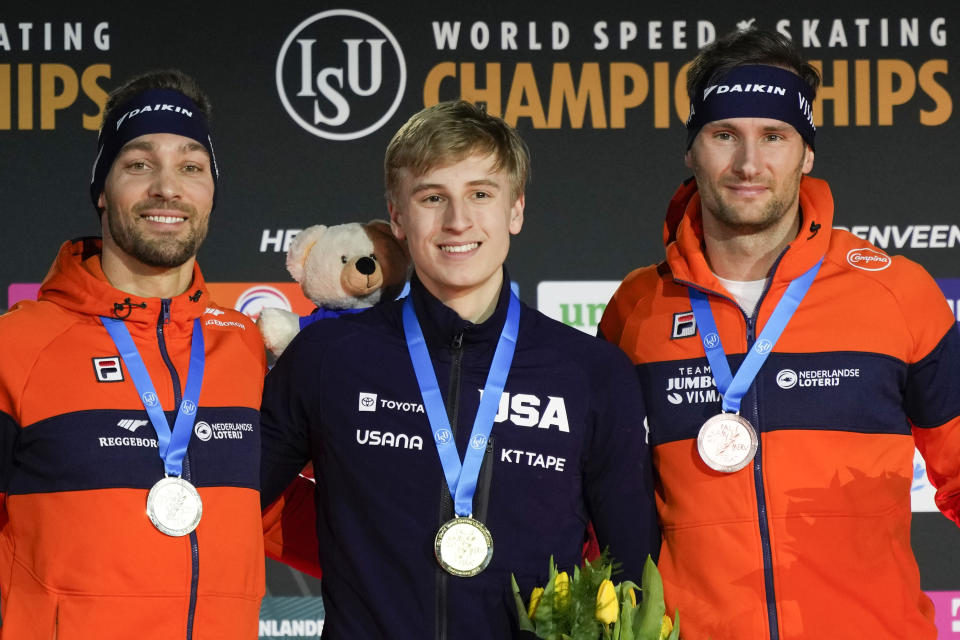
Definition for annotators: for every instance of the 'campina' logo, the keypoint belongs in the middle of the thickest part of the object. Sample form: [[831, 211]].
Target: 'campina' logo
[[130, 424], [868, 259], [341, 74]]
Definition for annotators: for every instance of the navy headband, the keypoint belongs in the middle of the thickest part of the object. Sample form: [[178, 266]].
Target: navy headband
[[754, 91], [152, 111]]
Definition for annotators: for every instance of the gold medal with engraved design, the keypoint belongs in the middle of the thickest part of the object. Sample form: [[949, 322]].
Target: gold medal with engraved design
[[463, 547]]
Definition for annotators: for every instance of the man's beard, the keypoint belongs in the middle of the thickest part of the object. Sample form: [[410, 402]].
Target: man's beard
[[773, 211], [162, 252]]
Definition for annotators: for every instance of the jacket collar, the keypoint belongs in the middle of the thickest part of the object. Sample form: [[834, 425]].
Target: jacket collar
[[441, 324], [76, 282], [683, 235]]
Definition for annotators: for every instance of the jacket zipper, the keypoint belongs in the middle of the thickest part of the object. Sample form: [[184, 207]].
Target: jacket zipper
[[481, 498], [759, 487], [446, 501], [175, 379]]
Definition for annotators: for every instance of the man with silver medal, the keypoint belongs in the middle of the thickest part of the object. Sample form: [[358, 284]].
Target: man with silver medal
[[785, 510], [108, 536], [556, 423]]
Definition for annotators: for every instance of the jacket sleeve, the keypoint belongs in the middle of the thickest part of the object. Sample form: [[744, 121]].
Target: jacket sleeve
[[618, 473], [931, 397], [285, 418], [9, 430], [933, 407], [614, 317], [287, 496], [290, 528]]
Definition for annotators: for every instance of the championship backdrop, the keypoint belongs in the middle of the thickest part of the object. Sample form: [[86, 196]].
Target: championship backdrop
[[307, 94]]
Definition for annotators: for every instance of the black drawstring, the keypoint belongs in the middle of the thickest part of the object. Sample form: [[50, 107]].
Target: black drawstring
[[119, 307]]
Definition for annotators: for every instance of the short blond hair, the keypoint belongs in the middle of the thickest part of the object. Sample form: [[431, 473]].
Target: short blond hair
[[448, 132]]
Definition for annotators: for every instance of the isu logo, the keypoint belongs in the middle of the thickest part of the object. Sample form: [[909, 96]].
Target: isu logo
[[868, 259], [341, 74]]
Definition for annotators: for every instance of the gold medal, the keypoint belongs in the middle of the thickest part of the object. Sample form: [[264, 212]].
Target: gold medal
[[727, 442], [174, 506], [463, 547]]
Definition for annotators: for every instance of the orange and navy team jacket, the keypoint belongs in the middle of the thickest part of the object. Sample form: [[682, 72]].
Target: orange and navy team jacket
[[79, 558], [812, 540]]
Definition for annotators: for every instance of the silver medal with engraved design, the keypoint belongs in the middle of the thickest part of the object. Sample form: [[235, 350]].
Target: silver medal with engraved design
[[174, 506], [463, 547], [727, 442]]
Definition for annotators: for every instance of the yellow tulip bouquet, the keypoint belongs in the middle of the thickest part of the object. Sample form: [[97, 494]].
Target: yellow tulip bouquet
[[590, 607]]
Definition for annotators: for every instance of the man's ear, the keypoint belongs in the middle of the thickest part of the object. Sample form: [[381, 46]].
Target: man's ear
[[395, 225], [807, 159], [516, 214]]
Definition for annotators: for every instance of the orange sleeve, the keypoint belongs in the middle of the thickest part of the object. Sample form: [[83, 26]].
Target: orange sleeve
[[931, 397], [290, 528]]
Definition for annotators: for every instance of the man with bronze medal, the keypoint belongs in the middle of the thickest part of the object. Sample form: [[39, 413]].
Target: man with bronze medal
[[119, 523], [787, 378], [457, 435]]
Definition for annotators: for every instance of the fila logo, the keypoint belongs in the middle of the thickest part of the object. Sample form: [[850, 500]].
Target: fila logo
[[108, 369], [131, 425], [213, 312], [684, 325]]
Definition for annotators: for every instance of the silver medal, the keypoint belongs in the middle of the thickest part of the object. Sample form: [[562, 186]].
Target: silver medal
[[727, 442], [463, 547], [174, 506]]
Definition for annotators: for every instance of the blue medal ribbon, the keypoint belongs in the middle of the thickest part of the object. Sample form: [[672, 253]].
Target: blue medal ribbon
[[461, 479], [733, 387], [172, 443]]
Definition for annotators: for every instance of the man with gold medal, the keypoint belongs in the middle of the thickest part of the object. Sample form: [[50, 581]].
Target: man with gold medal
[[457, 435]]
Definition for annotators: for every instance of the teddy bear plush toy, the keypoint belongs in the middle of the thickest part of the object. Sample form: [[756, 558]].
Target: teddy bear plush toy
[[342, 268]]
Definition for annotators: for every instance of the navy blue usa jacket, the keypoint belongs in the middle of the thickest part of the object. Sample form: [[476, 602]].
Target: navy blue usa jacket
[[568, 446]]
